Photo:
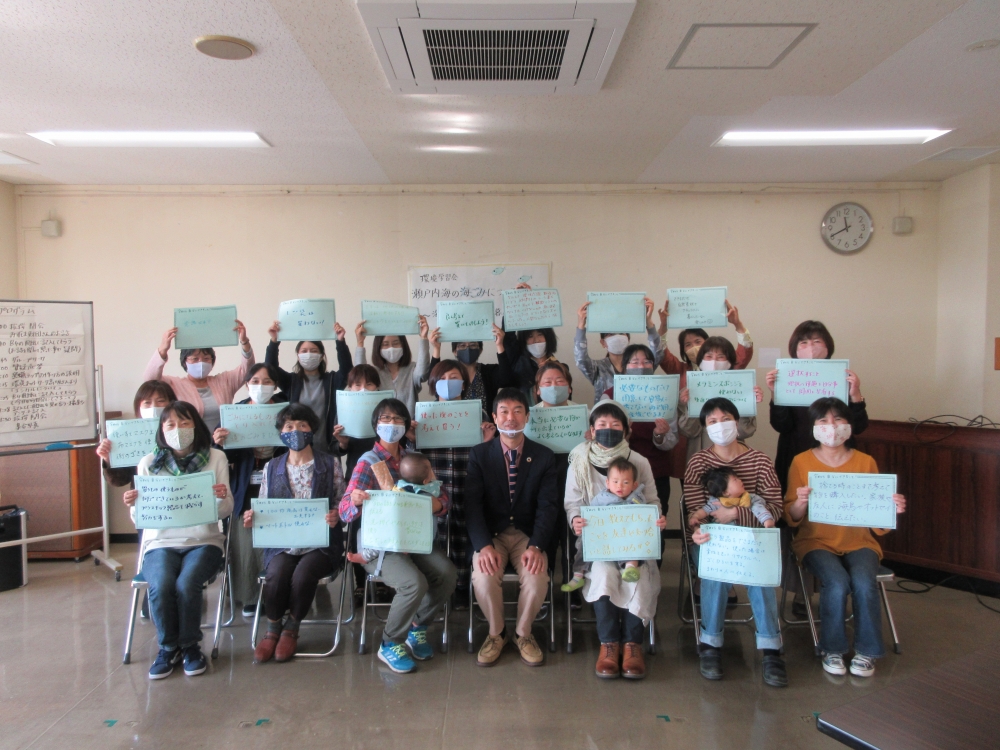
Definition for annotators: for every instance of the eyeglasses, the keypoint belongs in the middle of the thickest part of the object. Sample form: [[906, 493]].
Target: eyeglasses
[[460, 347], [385, 419]]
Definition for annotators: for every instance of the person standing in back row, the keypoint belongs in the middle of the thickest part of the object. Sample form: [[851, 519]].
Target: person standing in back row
[[601, 373], [391, 357]]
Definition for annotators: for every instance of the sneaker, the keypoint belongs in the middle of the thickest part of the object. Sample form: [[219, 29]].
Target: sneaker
[[531, 654], [416, 639], [834, 664], [774, 671], [630, 575], [575, 583], [862, 666], [395, 657], [710, 663], [194, 661], [163, 667], [491, 649], [249, 610]]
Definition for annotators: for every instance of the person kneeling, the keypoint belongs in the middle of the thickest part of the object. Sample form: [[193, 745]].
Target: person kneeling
[[292, 575]]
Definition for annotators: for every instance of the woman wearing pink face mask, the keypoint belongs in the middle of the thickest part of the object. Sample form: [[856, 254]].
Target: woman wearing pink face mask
[[845, 559], [810, 340], [716, 353]]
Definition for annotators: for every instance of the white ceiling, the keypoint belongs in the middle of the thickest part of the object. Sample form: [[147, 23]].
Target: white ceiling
[[316, 92]]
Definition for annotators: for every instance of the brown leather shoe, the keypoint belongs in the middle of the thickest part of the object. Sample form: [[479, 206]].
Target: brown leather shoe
[[265, 649], [607, 661], [633, 664], [286, 645]]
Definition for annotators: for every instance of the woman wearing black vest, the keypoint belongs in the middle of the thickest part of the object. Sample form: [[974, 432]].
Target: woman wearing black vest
[[291, 575]]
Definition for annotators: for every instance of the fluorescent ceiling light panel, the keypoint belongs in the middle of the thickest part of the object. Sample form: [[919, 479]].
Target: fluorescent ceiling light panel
[[6, 158], [828, 137], [455, 149], [152, 138]]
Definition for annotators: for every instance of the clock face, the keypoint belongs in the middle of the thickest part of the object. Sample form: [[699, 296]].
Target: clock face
[[846, 228]]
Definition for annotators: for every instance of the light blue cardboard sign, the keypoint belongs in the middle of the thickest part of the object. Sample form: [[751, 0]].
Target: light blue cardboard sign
[[131, 439], [354, 411], [389, 318], [843, 499], [250, 425], [558, 428], [740, 554], [620, 533], [736, 385], [307, 320], [166, 502], [397, 522], [531, 309], [703, 307], [801, 381], [616, 312], [648, 397], [280, 523], [465, 321], [449, 424], [205, 327]]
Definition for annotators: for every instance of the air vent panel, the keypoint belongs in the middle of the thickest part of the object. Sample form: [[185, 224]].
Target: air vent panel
[[495, 55]]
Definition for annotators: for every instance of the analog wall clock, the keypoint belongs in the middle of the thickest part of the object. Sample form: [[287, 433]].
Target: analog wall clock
[[846, 228]]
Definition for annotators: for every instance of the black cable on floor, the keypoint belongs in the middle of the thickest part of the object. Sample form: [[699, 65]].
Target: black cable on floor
[[902, 588]]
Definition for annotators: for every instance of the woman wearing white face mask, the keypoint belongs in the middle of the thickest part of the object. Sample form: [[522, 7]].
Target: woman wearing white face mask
[[716, 353], [809, 340], [483, 381], [177, 562], [720, 419], [448, 381], [246, 472], [844, 558], [527, 351], [391, 357], [150, 400], [311, 383], [691, 339], [205, 391], [602, 372]]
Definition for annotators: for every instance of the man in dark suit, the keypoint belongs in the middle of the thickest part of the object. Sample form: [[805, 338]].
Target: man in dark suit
[[512, 510]]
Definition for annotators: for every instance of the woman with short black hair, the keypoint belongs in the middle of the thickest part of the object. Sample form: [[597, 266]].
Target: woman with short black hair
[[482, 381], [391, 357]]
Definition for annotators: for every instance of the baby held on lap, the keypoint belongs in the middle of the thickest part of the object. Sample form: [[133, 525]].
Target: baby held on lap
[[726, 490]]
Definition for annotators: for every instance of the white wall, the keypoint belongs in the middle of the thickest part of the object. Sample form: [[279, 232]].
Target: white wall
[[8, 242], [139, 253]]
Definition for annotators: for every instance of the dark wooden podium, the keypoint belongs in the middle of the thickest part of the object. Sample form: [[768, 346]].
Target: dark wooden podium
[[951, 479]]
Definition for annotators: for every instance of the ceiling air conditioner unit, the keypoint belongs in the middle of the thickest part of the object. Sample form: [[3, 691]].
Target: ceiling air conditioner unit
[[480, 47]]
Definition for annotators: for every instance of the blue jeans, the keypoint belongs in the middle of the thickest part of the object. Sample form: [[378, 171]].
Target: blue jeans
[[839, 575], [763, 602], [175, 576], [615, 624]]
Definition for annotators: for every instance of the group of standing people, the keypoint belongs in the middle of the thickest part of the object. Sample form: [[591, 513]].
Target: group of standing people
[[501, 503]]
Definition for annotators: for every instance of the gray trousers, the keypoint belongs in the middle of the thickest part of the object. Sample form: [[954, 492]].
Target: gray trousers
[[422, 582]]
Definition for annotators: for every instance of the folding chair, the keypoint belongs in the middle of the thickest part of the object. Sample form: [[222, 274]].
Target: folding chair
[[547, 610], [140, 587], [368, 601], [687, 577], [883, 577], [346, 573], [572, 619]]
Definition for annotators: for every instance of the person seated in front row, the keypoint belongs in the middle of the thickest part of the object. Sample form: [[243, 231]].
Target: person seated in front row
[[725, 490], [422, 582], [623, 488], [291, 575], [177, 562], [511, 512]]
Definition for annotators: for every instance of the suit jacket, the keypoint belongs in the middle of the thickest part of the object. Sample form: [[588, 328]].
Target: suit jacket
[[536, 507]]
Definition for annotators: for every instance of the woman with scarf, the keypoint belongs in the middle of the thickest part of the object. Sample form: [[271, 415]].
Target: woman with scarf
[[177, 562], [622, 609]]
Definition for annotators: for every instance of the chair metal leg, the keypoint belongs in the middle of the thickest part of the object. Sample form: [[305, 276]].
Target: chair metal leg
[[652, 634], [695, 620], [892, 622], [363, 645], [127, 658], [256, 615], [552, 616], [218, 612], [232, 602], [809, 612], [472, 610]]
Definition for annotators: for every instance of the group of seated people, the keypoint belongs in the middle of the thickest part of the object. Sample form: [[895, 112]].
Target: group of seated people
[[501, 502]]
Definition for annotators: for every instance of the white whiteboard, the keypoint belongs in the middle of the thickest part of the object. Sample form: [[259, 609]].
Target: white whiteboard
[[47, 389], [428, 284]]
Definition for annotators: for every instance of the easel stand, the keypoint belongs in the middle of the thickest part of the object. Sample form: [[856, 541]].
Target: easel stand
[[102, 555]]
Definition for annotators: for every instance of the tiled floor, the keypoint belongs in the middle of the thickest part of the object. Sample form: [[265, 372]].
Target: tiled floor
[[62, 683]]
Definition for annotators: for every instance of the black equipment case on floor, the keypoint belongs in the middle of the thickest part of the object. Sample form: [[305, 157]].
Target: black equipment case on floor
[[13, 526]]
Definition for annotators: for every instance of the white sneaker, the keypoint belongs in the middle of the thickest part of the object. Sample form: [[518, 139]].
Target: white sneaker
[[834, 664], [862, 666]]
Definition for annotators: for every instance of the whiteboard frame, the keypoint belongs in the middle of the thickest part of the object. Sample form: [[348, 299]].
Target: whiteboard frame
[[91, 431]]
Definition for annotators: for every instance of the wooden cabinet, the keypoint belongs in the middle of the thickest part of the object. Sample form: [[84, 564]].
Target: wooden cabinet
[[951, 479]]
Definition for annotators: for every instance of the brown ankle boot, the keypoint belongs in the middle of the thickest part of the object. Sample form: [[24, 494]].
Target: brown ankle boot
[[265, 649], [607, 661], [286, 645], [633, 665]]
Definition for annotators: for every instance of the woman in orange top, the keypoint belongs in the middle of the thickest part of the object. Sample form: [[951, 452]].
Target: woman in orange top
[[845, 559]]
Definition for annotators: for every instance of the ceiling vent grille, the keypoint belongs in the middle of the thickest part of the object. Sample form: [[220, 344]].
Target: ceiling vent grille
[[496, 46], [529, 55]]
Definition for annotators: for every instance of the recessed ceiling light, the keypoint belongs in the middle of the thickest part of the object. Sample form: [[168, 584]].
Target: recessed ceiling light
[[152, 138], [224, 47], [985, 44], [827, 137], [6, 158], [455, 149]]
